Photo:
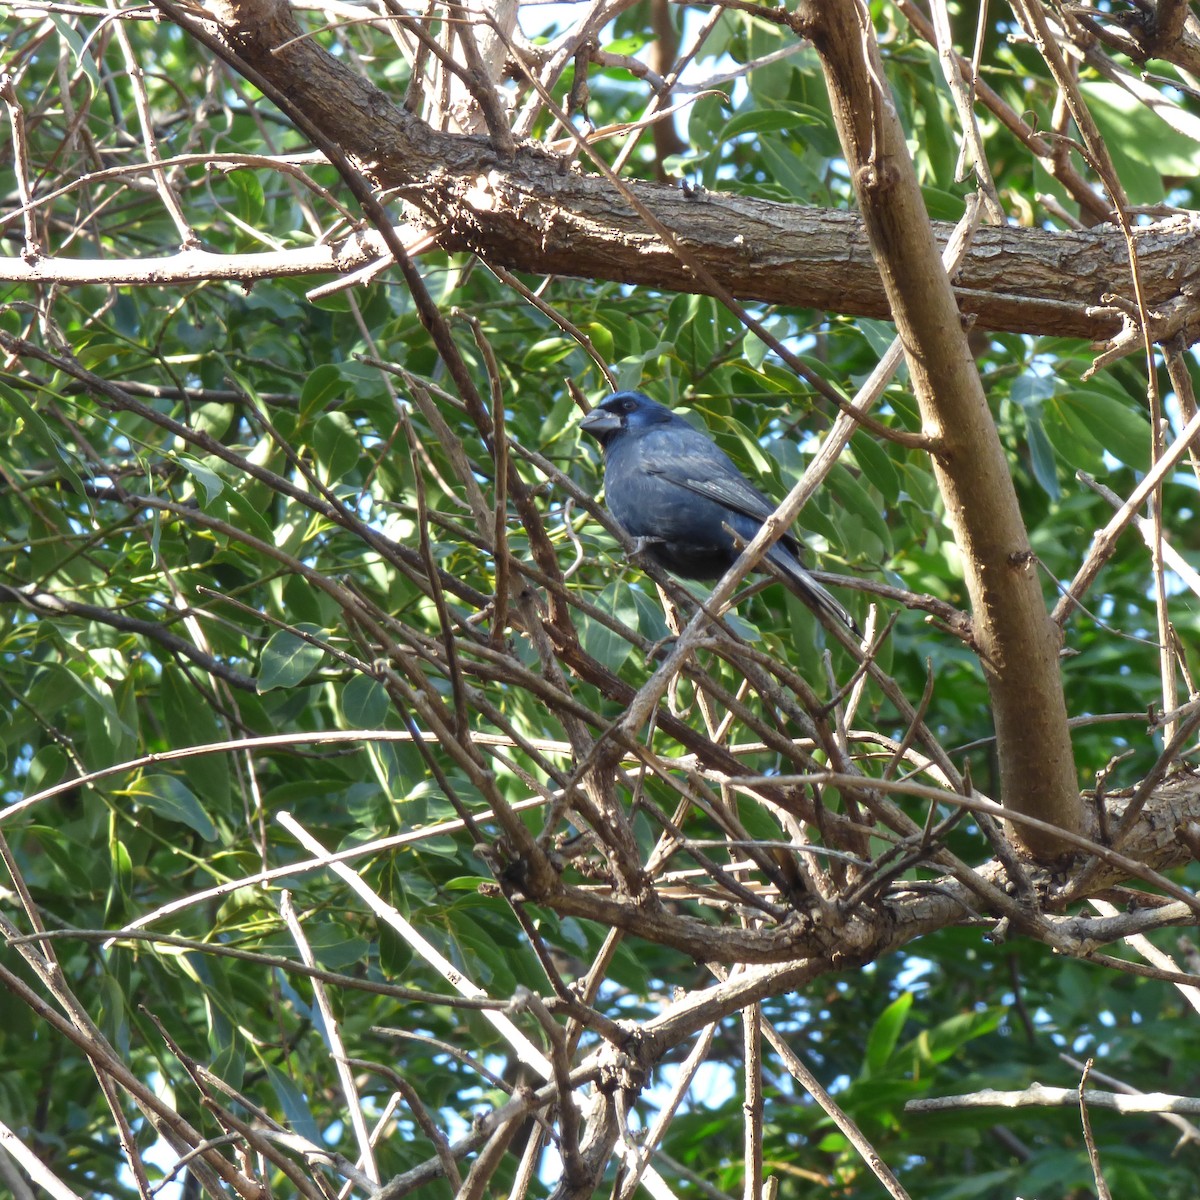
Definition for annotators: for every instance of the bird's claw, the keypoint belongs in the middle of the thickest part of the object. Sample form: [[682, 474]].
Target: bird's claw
[[642, 544]]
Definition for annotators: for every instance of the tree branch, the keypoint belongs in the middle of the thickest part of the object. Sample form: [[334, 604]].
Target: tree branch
[[1018, 643]]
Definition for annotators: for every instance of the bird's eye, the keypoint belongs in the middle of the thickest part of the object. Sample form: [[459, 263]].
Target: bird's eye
[[627, 406]]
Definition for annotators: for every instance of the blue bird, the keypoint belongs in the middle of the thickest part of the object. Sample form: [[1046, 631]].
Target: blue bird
[[671, 488]]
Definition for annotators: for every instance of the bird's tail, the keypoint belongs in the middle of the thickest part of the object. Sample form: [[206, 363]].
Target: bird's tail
[[813, 594]]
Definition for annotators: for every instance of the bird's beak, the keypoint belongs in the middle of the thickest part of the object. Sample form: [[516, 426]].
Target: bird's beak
[[598, 422]]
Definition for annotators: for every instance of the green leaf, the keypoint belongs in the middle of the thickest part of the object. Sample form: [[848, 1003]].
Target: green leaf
[[605, 645], [208, 479], [547, 352], [601, 338], [245, 183], [171, 798], [80, 51], [876, 465], [755, 349], [288, 660], [768, 121], [885, 1033], [190, 722], [365, 702], [103, 353], [323, 383], [238, 510], [113, 1017], [213, 419], [943, 205], [1138, 136], [68, 856], [1041, 457], [295, 1107], [942, 1041], [1114, 423], [48, 767], [46, 438], [1031, 390], [850, 493], [651, 623], [31, 419], [395, 952], [626, 45], [1067, 430], [116, 905], [788, 171], [336, 444]]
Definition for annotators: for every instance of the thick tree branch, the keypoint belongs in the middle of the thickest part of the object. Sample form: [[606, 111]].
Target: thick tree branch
[[1018, 642], [533, 212], [1018, 280]]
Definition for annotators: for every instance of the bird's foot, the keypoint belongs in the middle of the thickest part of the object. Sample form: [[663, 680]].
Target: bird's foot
[[642, 544], [661, 648]]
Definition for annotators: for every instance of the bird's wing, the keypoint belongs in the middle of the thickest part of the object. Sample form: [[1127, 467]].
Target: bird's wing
[[690, 461], [706, 471]]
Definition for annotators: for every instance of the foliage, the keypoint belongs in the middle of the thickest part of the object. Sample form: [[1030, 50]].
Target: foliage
[[274, 525]]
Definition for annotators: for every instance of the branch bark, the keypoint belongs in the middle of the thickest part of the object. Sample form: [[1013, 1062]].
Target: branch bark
[[1037, 281]]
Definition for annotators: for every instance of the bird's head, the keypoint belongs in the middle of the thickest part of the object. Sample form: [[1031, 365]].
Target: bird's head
[[622, 412]]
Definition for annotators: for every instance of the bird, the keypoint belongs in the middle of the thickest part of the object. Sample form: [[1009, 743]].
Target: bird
[[681, 498]]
